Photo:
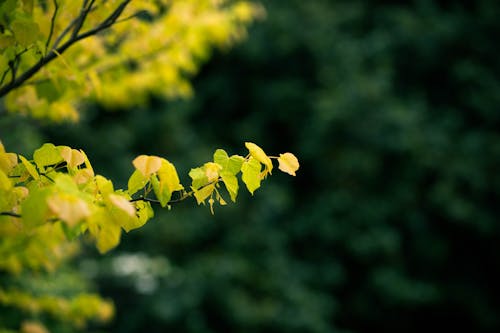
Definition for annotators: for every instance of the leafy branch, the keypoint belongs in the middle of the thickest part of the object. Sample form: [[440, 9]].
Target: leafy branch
[[57, 50]]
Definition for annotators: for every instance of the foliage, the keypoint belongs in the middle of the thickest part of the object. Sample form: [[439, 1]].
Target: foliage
[[56, 55]]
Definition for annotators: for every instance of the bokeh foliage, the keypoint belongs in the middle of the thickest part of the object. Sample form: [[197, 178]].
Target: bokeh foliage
[[393, 222]]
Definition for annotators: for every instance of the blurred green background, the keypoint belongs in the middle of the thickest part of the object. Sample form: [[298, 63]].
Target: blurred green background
[[391, 224]]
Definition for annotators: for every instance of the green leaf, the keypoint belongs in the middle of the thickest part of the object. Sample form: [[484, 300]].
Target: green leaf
[[29, 167], [199, 178], [136, 182], [231, 183], [47, 155], [251, 174], [25, 31], [34, 209], [259, 155]]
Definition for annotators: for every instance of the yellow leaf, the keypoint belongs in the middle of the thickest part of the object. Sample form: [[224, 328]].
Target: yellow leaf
[[72, 157], [288, 163], [7, 161], [212, 171], [68, 208], [259, 155], [123, 204], [203, 193], [168, 176], [147, 165]]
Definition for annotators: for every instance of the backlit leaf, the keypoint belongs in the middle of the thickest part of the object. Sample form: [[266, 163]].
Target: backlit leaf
[[259, 155], [72, 157], [5, 183], [7, 161], [136, 182], [251, 174], [199, 178], [68, 208], [288, 163], [212, 171], [231, 183], [203, 193], [122, 203], [47, 155], [29, 167], [147, 165]]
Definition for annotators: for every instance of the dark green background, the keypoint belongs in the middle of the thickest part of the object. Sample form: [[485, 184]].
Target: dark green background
[[391, 224]]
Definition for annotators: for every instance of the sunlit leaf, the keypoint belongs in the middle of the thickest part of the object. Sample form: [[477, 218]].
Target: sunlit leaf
[[203, 193], [136, 182], [259, 155], [231, 183], [68, 208], [72, 157], [47, 155], [29, 167], [251, 174], [288, 163], [147, 165], [199, 178]]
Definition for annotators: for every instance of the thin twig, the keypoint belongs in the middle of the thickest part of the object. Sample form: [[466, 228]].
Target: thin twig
[[10, 214], [52, 25]]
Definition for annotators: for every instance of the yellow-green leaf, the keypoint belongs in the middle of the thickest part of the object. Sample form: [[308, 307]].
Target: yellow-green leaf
[[47, 155], [260, 155], [288, 163], [144, 213], [108, 237], [147, 165], [5, 183], [199, 178], [105, 186], [136, 182], [251, 174], [231, 183], [203, 193], [29, 167], [25, 31]]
